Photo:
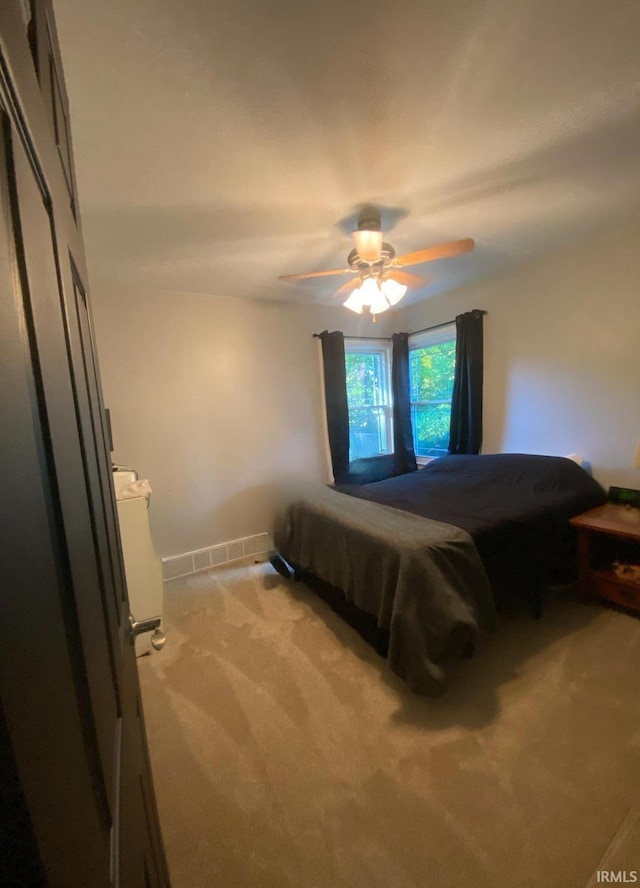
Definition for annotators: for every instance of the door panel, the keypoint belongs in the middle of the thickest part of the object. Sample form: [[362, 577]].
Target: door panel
[[72, 727], [46, 718], [43, 305], [45, 59], [92, 419]]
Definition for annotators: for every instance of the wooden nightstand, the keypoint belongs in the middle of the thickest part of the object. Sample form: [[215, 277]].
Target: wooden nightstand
[[606, 534]]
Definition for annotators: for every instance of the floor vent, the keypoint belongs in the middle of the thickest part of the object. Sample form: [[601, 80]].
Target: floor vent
[[256, 547]]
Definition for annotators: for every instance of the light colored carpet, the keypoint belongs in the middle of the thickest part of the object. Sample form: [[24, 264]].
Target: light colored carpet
[[286, 755]]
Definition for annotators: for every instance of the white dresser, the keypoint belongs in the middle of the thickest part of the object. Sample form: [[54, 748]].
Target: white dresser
[[142, 566]]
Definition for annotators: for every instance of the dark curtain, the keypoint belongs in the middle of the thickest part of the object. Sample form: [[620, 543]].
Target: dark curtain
[[369, 469], [466, 402], [335, 392], [405, 458]]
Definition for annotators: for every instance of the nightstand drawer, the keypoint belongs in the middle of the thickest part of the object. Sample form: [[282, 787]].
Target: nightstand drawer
[[613, 589]]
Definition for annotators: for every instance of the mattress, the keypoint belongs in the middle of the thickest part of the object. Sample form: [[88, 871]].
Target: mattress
[[516, 508]]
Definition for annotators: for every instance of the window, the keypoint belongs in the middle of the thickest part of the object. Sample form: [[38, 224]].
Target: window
[[368, 365], [432, 358]]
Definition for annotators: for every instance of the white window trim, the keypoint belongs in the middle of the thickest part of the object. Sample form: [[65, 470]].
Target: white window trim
[[373, 346]]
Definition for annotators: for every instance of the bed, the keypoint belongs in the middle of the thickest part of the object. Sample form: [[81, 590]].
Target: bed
[[423, 560]]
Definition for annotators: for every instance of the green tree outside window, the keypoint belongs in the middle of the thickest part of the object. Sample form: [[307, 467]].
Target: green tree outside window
[[431, 372], [369, 410]]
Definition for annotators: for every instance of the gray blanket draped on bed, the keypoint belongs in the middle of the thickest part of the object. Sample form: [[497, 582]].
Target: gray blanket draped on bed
[[423, 580]]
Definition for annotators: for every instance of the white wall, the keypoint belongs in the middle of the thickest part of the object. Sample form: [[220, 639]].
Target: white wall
[[562, 353], [217, 401]]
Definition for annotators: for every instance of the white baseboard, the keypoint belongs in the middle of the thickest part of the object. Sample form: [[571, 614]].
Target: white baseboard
[[256, 547]]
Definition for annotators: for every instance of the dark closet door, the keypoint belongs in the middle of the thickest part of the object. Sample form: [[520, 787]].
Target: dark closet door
[[81, 809]]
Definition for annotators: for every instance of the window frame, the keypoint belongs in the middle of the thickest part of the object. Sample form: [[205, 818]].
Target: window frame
[[426, 339], [356, 346]]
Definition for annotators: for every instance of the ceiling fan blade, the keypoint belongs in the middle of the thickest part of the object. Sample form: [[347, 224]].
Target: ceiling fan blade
[[441, 251], [347, 288], [408, 279], [313, 274]]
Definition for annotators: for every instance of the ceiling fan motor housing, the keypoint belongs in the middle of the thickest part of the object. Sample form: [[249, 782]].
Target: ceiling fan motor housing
[[369, 219], [387, 255]]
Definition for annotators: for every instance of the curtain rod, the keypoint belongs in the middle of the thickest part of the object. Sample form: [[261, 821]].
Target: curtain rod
[[381, 338], [413, 332], [443, 324], [433, 327]]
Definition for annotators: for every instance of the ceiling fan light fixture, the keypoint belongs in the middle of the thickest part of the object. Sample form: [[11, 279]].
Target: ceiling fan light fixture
[[354, 302], [369, 289], [379, 302], [368, 244], [371, 293], [393, 290]]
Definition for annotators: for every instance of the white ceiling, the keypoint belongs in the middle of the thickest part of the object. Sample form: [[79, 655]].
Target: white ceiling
[[220, 144]]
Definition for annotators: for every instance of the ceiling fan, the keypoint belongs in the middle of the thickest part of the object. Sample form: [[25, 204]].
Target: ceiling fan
[[379, 280]]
